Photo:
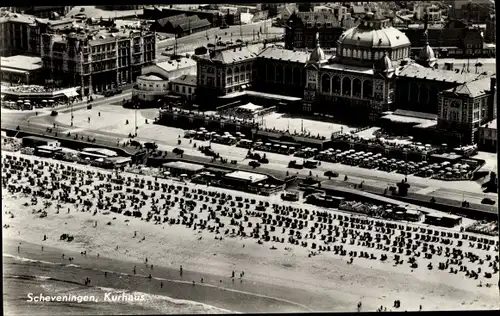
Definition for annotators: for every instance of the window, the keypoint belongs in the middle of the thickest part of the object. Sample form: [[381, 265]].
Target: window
[[229, 80], [177, 88], [183, 89], [189, 90]]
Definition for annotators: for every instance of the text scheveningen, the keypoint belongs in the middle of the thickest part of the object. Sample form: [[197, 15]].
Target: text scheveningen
[[108, 297]]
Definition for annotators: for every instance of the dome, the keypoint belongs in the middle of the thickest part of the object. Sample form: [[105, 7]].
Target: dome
[[426, 53], [385, 64], [317, 55], [366, 37], [366, 43]]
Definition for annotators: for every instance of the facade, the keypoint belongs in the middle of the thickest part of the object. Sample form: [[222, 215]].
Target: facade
[[18, 34], [488, 136], [432, 11], [490, 34], [99, 62], [21, 69], [184, 86], [150, 88], [467, 107], [224, 71], [301, 28], [454, 35]]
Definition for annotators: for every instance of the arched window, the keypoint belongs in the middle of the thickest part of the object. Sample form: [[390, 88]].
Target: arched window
[[288, 74], [355, 53], [248, 67], [356, 87], [349, 53], [367, 89], [271, 72], [297, 77], [325, 83], [236, 69], [414, 91], [336, 84], [365, 55], [377, 55], [346, 86], [279, 73], [229, 71], [344, 52]]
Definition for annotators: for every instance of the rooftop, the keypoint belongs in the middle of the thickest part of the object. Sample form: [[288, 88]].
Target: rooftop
[[284, 54], [21, 62], [246, 176], [229, 56], [417, 71], [189, 80], [172, 65], [473, 89], [183, 166], [93, 12], [150, 77], [18, 17]]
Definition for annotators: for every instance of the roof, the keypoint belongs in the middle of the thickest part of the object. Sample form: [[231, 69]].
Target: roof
[[349, 68], [374, 38], [406, 119], [183, 166], [189, 80], [194, 24], [250, 107], [246, 176], [100, 151], [43, 139], [150, 77], [318, 17], [422, 115], [172, 65], [182, 20], [414, 70], [18, 17], [164, 21], [284, 54], [260, 95], [229, 56], [473, 89], [492, 124], [21, 62]]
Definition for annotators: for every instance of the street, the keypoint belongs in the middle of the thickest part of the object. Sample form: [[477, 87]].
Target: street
[[248, 31], [110, 127]]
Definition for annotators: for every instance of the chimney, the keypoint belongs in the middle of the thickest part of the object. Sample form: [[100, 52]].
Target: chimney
[[426, 21]]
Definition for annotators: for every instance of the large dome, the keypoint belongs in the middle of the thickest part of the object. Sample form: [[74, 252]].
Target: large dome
[[371, 39]]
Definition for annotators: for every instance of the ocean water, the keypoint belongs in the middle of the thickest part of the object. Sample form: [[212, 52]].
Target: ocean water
[[26, 278]]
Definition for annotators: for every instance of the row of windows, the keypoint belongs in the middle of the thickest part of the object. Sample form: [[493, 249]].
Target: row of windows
[[366, 54], [190, 90]]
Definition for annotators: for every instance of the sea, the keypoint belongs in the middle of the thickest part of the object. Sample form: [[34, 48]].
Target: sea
[[26, 279]]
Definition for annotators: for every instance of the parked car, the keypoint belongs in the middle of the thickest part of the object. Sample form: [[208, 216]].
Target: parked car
[[331, 174], [254, 164], [488, 201], [295, 164]]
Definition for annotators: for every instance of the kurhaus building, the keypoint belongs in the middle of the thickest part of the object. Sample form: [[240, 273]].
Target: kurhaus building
[[371, 73]]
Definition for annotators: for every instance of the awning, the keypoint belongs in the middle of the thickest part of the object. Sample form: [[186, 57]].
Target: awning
[[71, 93]]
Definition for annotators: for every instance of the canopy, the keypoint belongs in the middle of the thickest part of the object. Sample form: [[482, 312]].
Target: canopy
[[71, 93]]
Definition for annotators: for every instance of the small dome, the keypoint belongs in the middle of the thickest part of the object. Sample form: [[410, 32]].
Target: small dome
[[385, 64], [426, 53], [317, 55]]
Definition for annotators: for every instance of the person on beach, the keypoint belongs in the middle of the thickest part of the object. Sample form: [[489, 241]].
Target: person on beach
[[150, 277], [42, 248], [151, 267], [134, 270], [201, 280], [161, 285], [18, 249], [180, 270], [232, 276], [105, 274], [146, 259], [193, 283], [63, 256], [420, 308], [44, 237]]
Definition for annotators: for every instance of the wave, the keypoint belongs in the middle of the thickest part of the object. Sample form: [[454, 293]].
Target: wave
[[162, 304]]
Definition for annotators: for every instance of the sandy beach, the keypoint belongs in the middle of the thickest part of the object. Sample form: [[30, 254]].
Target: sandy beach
[[282, 280]]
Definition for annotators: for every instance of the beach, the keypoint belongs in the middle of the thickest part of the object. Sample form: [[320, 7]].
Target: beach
[[275, 280]]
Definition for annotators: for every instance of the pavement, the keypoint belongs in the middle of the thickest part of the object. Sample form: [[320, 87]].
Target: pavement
[[246, 32], [110, 128]]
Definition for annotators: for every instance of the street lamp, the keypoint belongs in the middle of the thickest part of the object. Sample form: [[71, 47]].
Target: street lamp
[[135, 113]]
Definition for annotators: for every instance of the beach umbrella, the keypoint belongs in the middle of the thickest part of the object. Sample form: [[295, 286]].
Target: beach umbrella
[[51, 101], [441, 171], [258, 143], [19, 101], [283, 146], [167, 173], [448, 173], [276, 145]]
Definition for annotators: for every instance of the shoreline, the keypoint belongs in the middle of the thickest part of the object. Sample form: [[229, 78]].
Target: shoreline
[[321, 283]]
